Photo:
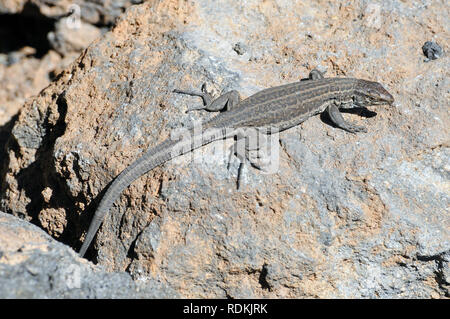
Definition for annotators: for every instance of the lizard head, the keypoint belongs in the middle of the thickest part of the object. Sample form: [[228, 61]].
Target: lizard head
[[371, 93]]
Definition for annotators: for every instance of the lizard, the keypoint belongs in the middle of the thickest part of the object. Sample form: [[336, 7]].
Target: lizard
[[280, 107]]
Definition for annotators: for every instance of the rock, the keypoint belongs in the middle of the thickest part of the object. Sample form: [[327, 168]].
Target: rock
[[54, 38], [432, 50], [92, 12], [67, 38], [346, 215], [33, 265], [23, 79]]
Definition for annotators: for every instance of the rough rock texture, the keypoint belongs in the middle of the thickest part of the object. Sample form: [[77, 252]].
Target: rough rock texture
[[96, 12], [38, 42], [23, 79], [346, 215], [33, 265]]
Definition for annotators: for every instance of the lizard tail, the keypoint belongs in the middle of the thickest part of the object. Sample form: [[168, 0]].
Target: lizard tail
[[148, 161], [142, 165]]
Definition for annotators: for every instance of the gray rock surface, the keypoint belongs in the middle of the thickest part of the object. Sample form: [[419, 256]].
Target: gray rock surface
[[39, 40], [34, 265], [345, 215], [95, 12]]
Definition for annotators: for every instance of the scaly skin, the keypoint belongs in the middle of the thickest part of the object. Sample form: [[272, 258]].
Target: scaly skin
[[279, 107]]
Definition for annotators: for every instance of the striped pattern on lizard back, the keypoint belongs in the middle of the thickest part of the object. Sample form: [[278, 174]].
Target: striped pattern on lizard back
[[280, 107]]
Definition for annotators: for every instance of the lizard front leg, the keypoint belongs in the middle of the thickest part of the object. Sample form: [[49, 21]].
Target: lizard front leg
[[333, 111], [337, 118], [315, 74]]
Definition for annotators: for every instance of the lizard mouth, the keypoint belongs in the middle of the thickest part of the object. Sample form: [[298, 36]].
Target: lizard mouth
[[388, 98]]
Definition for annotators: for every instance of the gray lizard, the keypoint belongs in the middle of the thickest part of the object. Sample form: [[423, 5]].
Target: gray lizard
[[280, 107]]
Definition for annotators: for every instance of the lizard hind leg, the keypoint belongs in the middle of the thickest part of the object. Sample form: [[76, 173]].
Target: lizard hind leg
[[250, 147], [226, 101], [235, 150]]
